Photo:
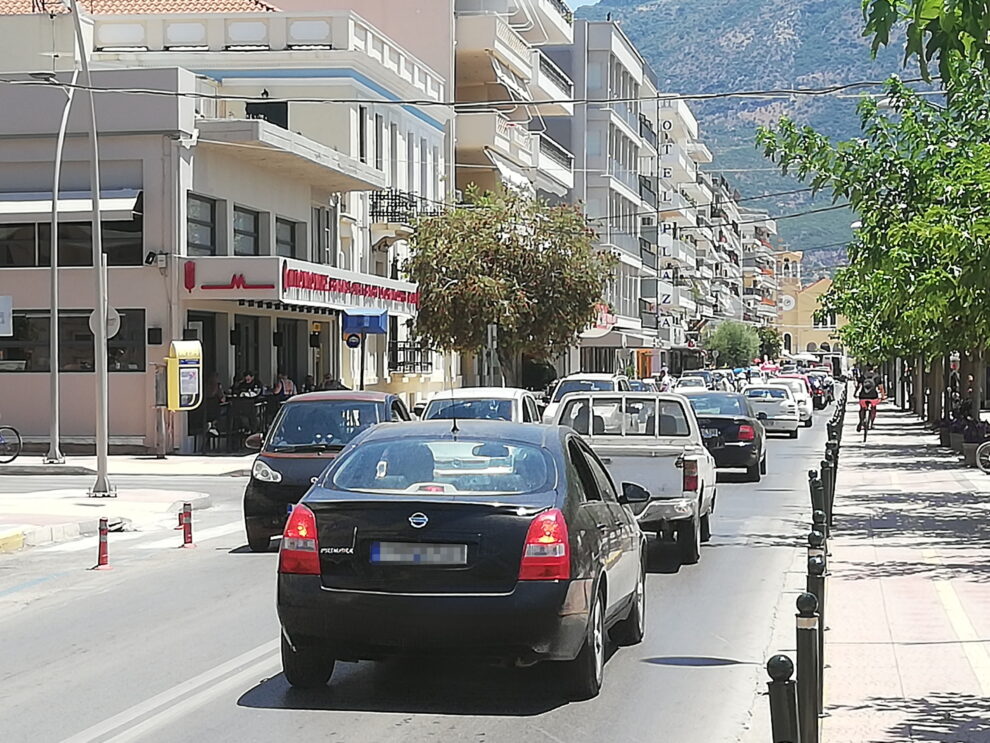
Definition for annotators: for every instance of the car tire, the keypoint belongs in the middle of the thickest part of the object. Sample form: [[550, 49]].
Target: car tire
[[763, 466], [631, 630], [305, 669], [689, 541], [753, 473], [258, 541], [808, 423], [588, 669], [706, 527], [792, 434]]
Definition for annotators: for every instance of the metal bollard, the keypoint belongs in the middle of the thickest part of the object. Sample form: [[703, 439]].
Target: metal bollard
[[187, 540], [783, 700], [818, 524], [817, 496], [816, 545], [807, 667], [816, 587], [828, 485], [102, 551]]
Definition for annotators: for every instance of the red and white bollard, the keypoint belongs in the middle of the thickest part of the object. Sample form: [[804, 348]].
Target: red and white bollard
[[186, 518], [103, 555]]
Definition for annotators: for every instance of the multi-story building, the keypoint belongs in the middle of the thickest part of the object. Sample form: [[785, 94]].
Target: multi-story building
[[801, 327], [728, 251], [759, 268], [238, 204]]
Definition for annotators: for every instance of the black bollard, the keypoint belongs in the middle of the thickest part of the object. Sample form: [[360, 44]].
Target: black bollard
[[816, 587], [818, 524], [828, 485], [783, 700], [816, 545], [817, 496], [807, 667]]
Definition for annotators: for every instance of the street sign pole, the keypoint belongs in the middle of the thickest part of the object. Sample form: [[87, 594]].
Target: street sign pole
[[363, 336]]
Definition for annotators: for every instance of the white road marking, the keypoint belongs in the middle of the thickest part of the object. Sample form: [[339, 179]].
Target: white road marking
[[90, 542], [260, 657], [202, 535], [972, 645]]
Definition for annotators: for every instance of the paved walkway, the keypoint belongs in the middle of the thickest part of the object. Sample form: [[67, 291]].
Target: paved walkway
[[908, 650], [144, 464]]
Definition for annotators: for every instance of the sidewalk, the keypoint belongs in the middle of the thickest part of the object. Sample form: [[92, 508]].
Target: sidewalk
[[175, 465], [40, 517], [908, 605]]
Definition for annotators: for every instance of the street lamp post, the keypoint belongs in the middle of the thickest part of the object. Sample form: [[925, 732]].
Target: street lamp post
[[101, 487], [55, 455]]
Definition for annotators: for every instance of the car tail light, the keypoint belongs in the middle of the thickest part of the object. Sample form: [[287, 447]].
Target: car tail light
[[690, 475], [300, 550], [746, 432], [546, 552]]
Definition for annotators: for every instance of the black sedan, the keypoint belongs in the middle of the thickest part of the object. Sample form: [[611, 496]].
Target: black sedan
[[731, 430], [306, 435], [476, 539]]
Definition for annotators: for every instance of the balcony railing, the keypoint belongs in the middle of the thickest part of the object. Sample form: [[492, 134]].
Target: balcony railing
[[646, 130], [548, 68], [646, 190], [564, 11], [555, 152], [406, 357], [647, 254], [400, 207]]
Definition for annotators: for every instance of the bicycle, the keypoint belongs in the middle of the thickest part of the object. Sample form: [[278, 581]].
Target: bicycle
[[866, 421], [10, 444], [983, 457]]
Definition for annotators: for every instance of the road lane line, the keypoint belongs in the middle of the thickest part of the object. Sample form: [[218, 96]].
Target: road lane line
[[198, 536], [141, 709], [970, 641], [88, 543]]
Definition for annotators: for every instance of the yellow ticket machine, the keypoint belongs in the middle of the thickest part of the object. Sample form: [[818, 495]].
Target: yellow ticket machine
[[184, 374]]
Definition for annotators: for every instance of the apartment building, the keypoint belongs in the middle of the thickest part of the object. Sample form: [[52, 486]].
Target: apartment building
[[244, 206], [759, 268]]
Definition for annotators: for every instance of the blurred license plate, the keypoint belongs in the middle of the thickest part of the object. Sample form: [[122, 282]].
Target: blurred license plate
[[418, 553], [710, 433]]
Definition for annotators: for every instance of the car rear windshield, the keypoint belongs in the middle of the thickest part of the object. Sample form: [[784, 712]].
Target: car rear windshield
[[480, 409], [318, 425], [718, 405], [767, 393], [582, 385], [609, 416], [423, 466], [794, 385]]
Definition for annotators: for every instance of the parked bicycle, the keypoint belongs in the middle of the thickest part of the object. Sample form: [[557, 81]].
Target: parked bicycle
[[983, 457], [10, 444]]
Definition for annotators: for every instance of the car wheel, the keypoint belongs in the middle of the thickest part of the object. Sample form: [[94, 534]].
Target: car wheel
[[753, 473], [763, 466], [808, 423], [258, 541], [630, 631], [706, 527], [792, 434], [588, 669], [689, 541], [305, 668]]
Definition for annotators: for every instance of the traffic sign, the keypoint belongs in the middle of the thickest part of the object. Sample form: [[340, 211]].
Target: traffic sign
[[353, 340], [113, 322]]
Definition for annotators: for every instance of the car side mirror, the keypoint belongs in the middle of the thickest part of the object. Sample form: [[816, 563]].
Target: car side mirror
[[254, 441], [633, 493], [761, 416]]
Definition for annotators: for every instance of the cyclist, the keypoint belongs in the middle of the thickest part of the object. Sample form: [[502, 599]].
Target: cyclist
[[870, 392]]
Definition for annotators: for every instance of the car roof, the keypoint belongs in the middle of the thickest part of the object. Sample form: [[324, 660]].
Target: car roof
[[353, 395], [481, 393], [536, 434], [591, 377], [764, 385], [699, 391]]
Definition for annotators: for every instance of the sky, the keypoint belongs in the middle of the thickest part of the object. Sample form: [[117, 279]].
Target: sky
[[579, 3]]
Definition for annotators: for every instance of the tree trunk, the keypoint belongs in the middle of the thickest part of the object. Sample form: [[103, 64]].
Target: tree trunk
[[980, 385], [507, 364], [938, 384], [919, 386]]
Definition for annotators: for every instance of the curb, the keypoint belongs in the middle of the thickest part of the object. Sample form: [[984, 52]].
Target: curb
[[237, 473], [22, 470], [11, 542]]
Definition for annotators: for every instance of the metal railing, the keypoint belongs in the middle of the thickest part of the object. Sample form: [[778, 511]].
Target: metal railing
[[400, 207], [548, 68], [408, 357], [564, 11], [646, 130], [647, 254], [555, 152], [646, 190]]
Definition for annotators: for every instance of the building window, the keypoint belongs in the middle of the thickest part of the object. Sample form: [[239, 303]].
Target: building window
[[363, 134], [393, 155], [246, 241], [285, 238], [812, 347], [18, 245], [201, 225], [379, 142], [824, 320], [27, 349], [29, 245], [787, 342], [125, 351]]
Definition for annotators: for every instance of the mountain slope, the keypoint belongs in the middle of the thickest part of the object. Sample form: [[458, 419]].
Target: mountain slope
[[704, 46]]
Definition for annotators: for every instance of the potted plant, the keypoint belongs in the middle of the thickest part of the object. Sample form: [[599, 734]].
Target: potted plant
[[974, 434], [956, 435], [943, 432]]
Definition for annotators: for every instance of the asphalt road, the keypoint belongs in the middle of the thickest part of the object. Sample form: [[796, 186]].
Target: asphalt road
[[180, 645]]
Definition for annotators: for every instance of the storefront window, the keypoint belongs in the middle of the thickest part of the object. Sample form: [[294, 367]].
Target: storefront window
[[126, 350], [17, 245], [28, 349], [246, 239], [201, 225], [285, 238]]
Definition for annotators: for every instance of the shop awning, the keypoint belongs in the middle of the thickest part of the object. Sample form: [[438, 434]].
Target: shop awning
[[73, 206], [364, 320], [613, 338], [511, 173], [513, 84]]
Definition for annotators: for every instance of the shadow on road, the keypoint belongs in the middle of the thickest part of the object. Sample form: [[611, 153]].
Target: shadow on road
[[698, 661], [421, 687]]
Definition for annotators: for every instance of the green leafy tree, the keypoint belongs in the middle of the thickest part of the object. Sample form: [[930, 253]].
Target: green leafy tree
[[737, 344], [507, 260], [942, 32], [770, 342]]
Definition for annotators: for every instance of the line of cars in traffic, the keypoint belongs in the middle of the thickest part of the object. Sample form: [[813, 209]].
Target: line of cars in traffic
[[477, 532]]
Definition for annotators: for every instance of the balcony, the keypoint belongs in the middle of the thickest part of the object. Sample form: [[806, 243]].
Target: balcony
[[698, 152], [678, 113], [400, 207], [628, 177], [677, 251], [543, 21], [551, 84], [480, 131], [647, 254], [324, 35], [647, 190], [647, 132], [676, 165], [483, 37], [648, 315], [407, 357], [554, 165], [680, 299], [615, 235]]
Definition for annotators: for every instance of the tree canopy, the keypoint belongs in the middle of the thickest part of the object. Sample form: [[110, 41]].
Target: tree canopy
[[919, 178], [771, 342], [507, 260], [737, 344]]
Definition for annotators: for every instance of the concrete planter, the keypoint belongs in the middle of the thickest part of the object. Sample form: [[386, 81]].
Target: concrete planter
[[943, 436], [969, 453], [956, 442]]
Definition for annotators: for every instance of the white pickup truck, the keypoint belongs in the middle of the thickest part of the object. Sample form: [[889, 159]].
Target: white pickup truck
[[653, 440]]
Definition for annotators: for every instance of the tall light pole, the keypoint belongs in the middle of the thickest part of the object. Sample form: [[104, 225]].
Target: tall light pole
[[101, 487], [55, 455]]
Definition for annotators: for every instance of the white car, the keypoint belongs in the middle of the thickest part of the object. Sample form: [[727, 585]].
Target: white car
[[777, 403], [583, 383], [694, 383], [483, 403], [801, 397]]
